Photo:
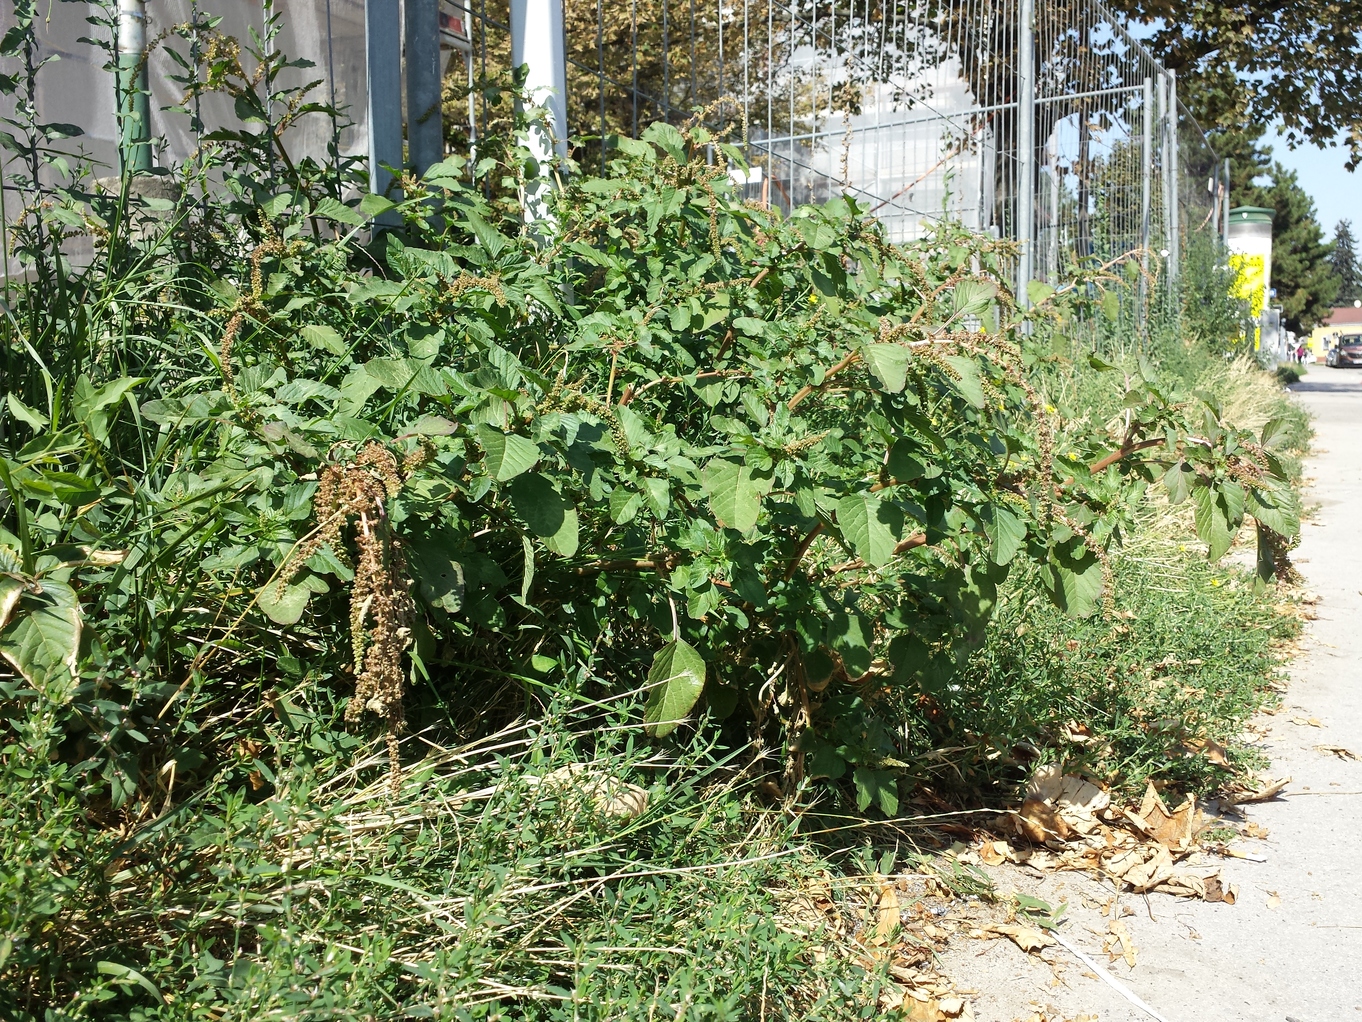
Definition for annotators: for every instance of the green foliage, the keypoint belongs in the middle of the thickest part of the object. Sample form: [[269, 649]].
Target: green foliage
[[670, 474]]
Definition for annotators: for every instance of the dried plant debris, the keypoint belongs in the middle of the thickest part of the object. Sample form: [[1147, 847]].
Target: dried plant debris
[[1068, 822]]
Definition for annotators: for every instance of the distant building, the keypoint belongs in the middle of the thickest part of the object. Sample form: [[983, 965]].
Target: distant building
[[1346, 319]]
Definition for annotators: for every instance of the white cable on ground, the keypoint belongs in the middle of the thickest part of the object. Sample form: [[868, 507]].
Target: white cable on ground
[[1111, 980]]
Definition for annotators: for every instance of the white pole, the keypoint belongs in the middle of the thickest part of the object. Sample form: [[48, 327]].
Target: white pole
[[537, 39], [383, 52], [1026, 147], [1173, 212]]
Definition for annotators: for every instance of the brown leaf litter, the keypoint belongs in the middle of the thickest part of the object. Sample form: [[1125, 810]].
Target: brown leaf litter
[[1069, 822]]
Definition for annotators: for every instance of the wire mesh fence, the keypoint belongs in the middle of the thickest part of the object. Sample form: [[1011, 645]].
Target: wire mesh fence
[[1047, 124]]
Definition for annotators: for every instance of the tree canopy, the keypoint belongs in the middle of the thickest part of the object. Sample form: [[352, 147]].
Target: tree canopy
[[1260, 61]]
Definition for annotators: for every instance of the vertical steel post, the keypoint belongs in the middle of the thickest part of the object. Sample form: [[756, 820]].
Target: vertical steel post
[[1026, 146], [1146, 173], [425, 127], [383, 55], [1174, 254], [134, 101], [537, 40], [1225, 219]]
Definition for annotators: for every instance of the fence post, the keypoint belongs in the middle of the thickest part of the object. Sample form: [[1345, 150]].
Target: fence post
[[1174, 254], [425, 127], [383, 57], [1225, 219], [1026, 146], [134, 104], [1146, 193], [537, 39]]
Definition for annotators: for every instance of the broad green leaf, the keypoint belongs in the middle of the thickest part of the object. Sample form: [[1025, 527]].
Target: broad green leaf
[[1073, 578], [373, 205], [129, 975], [42, 639], [545, 512], [967, 380], [1039, 291], [1275, 433], [321, 336], [1006, 533], [849, 635], [11, 588], [33, 418], [1178, 481], [973, 297], [1111, 305], [871, 525], [734, 493], [284, 605], [1213, 523], [1276, 507], [877, 786], [668, 138], [439, 578], [889, 363], [508, 455], [675, 682], [330, 209]]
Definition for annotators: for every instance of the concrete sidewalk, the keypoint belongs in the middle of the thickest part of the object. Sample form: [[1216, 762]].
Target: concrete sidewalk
[[1291, 947]]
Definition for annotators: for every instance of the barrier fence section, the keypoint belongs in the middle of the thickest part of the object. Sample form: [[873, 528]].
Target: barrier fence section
[[1046, 123]]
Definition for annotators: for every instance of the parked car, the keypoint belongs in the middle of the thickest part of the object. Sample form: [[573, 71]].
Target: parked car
[[1346, 352]]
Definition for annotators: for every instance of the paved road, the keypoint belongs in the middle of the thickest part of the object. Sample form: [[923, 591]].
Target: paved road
[[1291, 948]]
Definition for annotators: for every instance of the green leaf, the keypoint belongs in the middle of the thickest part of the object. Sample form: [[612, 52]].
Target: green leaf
[[889, 363], [969, 385], [871, 525], [546, 513], [1216, 522], [508, 455], [1006, 533], [675, 682], [849, 635], [1111, 305], [1178, 481], [373, 205], [129, 975], [1073, 578], [33, 418], [321, 336], [330, 209], [42, 641], [973, 297], [878, 786], [439, 578], [1039, 291], [734, 493], [284, 605], [1275, 505]]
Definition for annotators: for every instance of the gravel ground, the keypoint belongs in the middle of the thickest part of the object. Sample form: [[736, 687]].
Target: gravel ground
[[1290, 948]]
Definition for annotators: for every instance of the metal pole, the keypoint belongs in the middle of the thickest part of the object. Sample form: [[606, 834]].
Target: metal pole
[[1173, 174], [134, 101], [1146, 181], [383, 53], [1026, 146], [537, 39], [1225, 220], [425, 128]]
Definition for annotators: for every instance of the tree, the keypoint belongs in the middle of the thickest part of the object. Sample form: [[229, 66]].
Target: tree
[[1258, 61], [1302, 269], [1343, 259]]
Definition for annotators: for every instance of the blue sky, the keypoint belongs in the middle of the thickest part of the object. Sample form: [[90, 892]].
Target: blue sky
[[1337, 194]]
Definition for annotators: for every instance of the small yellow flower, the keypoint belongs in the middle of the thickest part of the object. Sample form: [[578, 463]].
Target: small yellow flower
[[1215, 582], [1073, 455], [1050, 409], [813, 299]]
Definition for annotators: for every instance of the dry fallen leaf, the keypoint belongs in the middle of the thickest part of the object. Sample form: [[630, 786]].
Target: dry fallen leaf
[[1213, 750], [1039, 823], [1028, 938], [1255, 830], [1269, 789], [1337, 750], [1307, 721], [887, 915], [1119, 931], [994, 853], [1273, 899]]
